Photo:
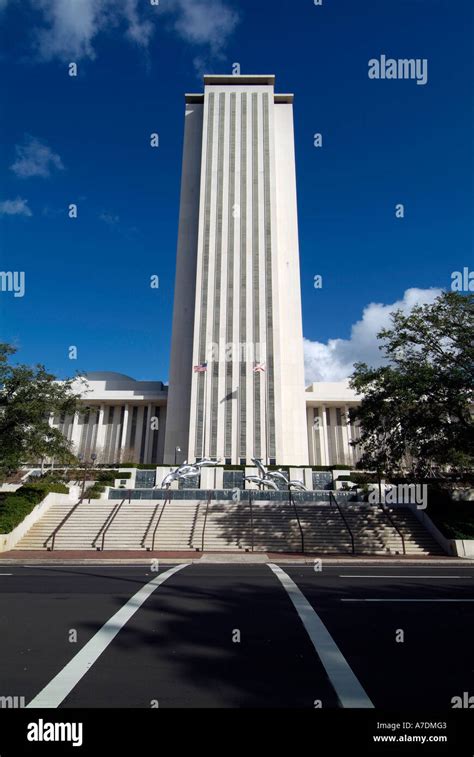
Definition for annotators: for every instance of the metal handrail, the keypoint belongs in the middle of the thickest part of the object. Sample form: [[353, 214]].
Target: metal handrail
[[157, 524], [108, 522], [251, 521], [205, 523], [193, 529], [59, 526], [298, 519], [385, 510], [333, 498], [155, 510]]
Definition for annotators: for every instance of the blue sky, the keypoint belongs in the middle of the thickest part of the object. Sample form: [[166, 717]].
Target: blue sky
[[85, 140]]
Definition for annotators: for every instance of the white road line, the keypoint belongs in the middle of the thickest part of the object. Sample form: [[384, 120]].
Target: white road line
[[63, 683], [406, 600], [389, 575], [6, 574], [346, 685]]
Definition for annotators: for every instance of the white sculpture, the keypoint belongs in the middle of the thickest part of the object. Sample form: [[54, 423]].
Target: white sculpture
[[187, 470], [265, 478]]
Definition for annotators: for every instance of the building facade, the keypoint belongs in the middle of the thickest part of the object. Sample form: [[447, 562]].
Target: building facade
[[124, 420], [237, 314], [236, 387]]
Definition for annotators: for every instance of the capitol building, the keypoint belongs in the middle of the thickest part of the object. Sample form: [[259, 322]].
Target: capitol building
[[237, 285]]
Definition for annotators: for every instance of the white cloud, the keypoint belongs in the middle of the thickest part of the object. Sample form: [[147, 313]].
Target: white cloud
[[139, 30], [205, 22], [206, 25], [71, 26], [34, 158], [18, 207], [334, 360]]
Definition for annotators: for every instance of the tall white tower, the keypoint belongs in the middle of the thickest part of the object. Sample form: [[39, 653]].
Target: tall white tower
[[237, 310]]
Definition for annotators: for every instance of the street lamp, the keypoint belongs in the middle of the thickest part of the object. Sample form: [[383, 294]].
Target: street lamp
[[177, 449], [81, 458]]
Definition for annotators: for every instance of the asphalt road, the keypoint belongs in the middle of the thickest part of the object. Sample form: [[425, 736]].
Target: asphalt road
[[233, 636]]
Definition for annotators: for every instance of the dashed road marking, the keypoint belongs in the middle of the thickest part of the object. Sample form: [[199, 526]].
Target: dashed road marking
[[406, 600], [389, 575]]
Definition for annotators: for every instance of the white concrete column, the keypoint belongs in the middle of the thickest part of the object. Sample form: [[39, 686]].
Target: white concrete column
[[76, 433], [237, 250], [149, 435], [310, 429], [350, 452], [158, 435], [345, 437], [101, 429], [324, 438], [139, 432], [125, 432], [317, 439]]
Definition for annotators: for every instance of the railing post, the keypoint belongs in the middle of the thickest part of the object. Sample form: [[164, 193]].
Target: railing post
[[205, 523], [58, 527], [290, 495], [251, 522], [385, 510], [332, 498], [108, 522], [158, 523]]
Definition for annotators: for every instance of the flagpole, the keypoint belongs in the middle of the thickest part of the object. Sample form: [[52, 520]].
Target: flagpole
[[267, 451], [238, 424], [205, 418]]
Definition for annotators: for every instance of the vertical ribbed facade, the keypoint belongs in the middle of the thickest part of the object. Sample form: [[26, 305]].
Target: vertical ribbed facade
[[236, 413]]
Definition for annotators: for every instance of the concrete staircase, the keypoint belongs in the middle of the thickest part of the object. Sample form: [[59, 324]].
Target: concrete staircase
[[417, 539], [181, 525], [175, 524], [324, 529], [225, 525], [78, 532]]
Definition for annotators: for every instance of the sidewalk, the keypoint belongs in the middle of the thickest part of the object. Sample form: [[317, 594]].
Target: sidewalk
[[141, 557]]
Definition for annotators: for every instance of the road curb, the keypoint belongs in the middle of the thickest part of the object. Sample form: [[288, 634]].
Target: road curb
[[247, 560]]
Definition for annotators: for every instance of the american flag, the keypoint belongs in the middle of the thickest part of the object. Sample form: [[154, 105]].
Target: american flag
[[260, 368], [201, 368]]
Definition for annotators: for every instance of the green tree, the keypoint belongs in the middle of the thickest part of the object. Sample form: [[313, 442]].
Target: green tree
[[416, 409], [28, 396]]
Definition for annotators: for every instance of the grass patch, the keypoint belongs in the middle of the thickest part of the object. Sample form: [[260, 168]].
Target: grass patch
[[454, 519], [138, 466]]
